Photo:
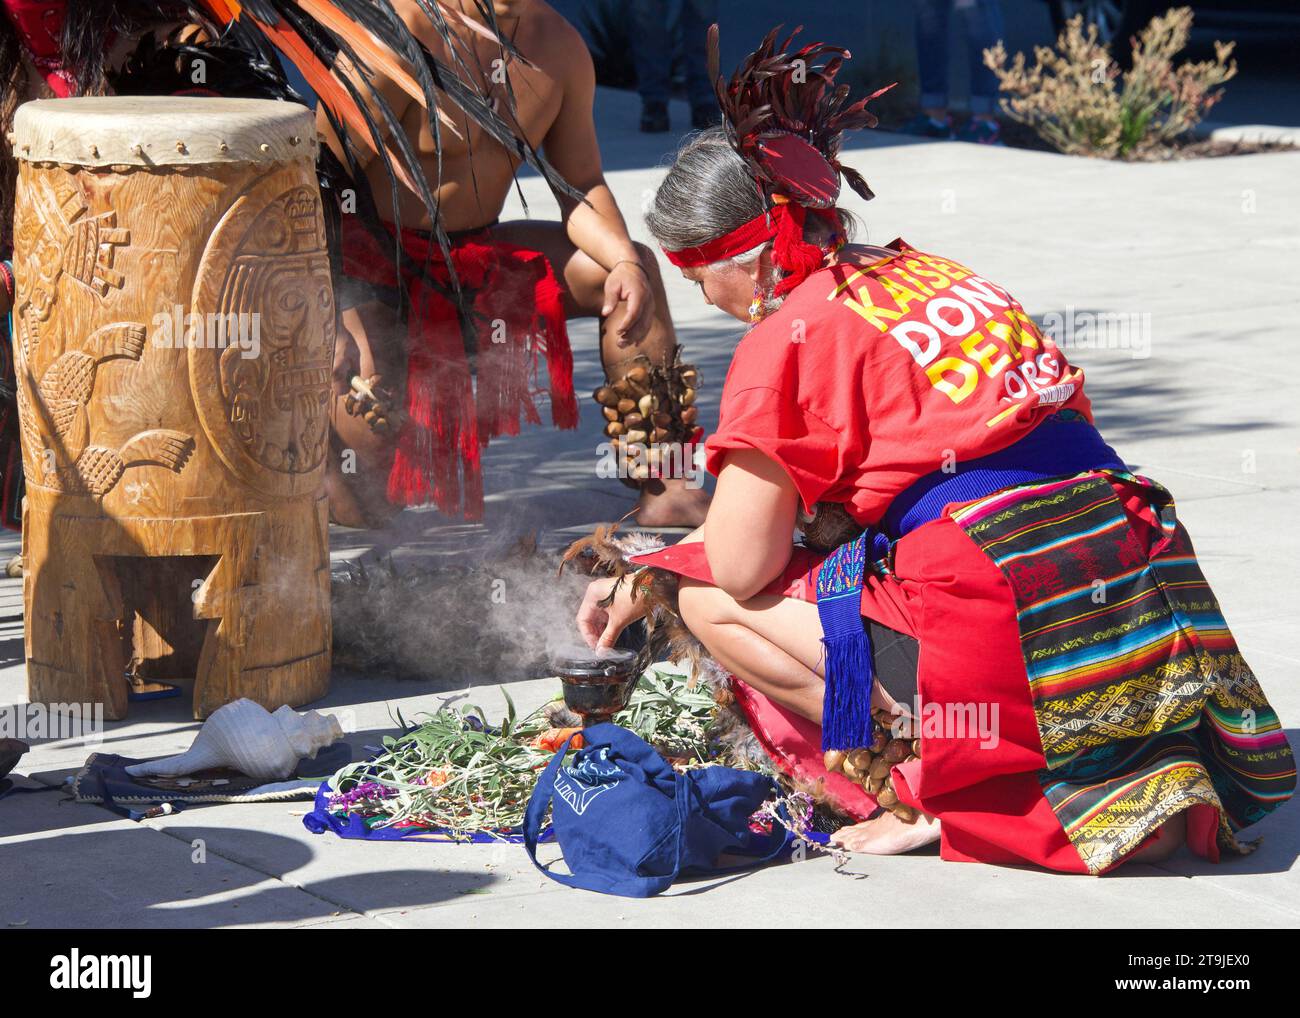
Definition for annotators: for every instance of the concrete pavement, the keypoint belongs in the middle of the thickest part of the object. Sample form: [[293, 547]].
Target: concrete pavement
[[1209, 250]]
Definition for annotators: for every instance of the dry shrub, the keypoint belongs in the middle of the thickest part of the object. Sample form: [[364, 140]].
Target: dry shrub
[[1078, 101]]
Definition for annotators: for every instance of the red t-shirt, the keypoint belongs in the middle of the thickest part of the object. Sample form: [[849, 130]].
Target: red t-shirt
[[871, 376]]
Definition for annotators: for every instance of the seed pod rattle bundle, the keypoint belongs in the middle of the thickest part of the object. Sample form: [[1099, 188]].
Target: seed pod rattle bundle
[[373, 403], [829, 526], [647, 412], [871, 766]]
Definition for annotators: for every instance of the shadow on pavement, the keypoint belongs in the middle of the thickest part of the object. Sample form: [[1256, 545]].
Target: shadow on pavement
[[124, 878]]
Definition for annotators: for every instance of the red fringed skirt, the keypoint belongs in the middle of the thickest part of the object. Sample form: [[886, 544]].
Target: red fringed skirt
[[1077, 684], [467, 384]]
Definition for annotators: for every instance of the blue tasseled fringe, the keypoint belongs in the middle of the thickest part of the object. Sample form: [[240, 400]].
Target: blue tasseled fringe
[[846, 707], [846, 704]]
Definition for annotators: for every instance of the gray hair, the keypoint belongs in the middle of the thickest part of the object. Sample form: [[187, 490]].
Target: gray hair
[[709, 192]]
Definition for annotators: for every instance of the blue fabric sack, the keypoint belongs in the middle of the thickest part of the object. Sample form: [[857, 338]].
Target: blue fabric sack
[[628, 824]]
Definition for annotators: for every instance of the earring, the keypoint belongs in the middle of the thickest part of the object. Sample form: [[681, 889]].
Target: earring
[[757, 310]]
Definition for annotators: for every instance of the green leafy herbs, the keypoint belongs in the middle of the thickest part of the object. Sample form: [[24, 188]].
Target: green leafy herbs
[[671, 715], [454, 771]]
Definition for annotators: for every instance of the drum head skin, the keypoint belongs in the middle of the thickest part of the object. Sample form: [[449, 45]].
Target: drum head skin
[[146, 131]]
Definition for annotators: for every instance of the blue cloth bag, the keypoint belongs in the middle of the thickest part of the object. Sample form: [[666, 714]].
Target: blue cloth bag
[[628, 824]]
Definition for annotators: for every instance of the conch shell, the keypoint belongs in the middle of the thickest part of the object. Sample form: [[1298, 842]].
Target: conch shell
[[244, 736]]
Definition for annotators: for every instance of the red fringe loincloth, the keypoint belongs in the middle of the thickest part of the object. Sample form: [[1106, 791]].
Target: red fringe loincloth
[[454, 408]]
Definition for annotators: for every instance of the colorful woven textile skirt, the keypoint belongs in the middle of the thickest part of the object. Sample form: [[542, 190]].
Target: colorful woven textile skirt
[[1077, 684], [1144, 705]]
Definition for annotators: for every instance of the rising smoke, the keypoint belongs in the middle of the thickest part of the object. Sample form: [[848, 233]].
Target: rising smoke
[[494, 621]]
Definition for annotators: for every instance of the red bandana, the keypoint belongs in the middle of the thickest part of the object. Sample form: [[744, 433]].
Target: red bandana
[[40, 27]]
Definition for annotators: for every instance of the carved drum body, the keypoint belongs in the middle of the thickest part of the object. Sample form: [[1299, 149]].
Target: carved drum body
[[174, 335]]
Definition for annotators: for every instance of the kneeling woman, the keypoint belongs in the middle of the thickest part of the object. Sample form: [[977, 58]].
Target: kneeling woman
[[1060, 680]]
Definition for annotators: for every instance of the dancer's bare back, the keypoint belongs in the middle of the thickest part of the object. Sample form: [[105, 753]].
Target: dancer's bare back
[[552, 109]]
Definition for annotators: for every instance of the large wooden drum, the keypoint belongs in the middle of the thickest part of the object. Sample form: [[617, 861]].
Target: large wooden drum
[[174, 340]]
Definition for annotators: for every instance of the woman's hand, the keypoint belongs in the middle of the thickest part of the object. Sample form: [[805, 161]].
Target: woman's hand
[[600, 627]]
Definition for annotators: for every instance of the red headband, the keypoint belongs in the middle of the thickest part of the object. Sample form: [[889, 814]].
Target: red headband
[[743, 238], [783, 223], [40, 27]]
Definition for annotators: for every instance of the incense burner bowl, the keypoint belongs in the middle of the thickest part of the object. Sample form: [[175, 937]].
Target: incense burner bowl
[[597, 684]]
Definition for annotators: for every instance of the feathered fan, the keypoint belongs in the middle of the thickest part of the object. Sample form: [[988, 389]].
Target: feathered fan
[[785, 116]]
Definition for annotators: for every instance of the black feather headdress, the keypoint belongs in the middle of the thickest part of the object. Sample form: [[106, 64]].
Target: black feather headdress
[[785, 116]]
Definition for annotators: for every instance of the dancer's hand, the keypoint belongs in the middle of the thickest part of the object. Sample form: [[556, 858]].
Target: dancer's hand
[[628, 282], [347, 360], [600, 627]]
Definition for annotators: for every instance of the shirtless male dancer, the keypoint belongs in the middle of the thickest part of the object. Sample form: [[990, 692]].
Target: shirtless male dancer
[[601, 272]]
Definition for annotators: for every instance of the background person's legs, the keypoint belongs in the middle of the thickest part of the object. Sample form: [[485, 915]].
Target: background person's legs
[[653, 55], [982, 26], [932, 17], [697, 16]]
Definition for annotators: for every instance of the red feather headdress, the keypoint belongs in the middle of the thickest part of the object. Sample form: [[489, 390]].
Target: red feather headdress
[[785, 117]]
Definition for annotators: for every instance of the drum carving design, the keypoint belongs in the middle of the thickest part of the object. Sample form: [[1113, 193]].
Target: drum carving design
[[174, 340], [267, 267]]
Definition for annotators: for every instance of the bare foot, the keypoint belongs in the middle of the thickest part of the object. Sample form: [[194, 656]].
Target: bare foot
[[671, 504], [1167, 839], [887, 835], [356, 504]]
